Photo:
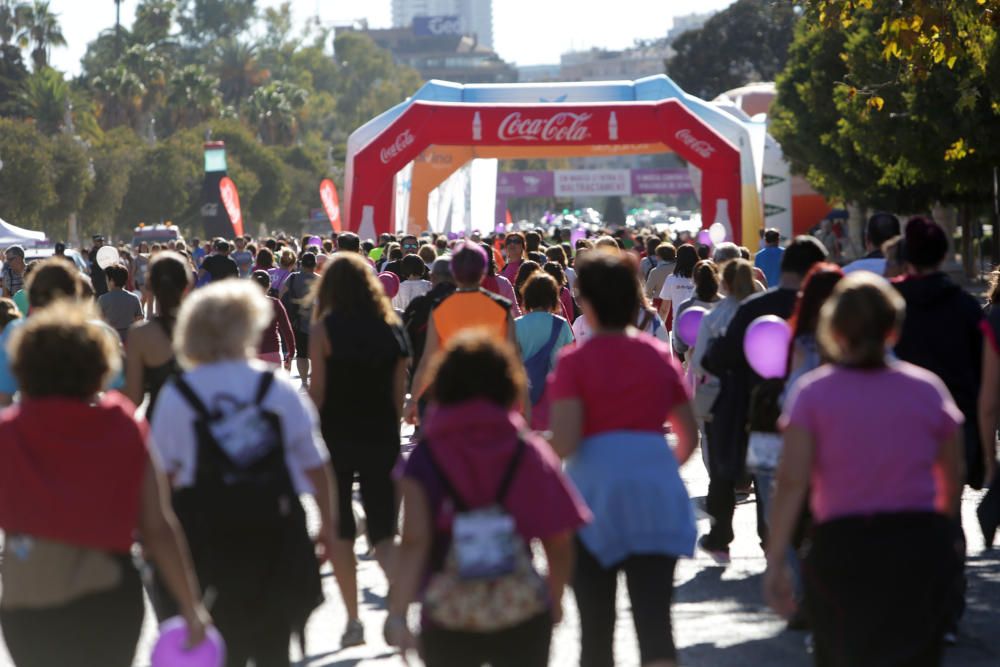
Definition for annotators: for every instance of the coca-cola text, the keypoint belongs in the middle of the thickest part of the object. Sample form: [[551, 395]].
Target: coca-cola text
[[563, 126], [699, 146], [403, 140]]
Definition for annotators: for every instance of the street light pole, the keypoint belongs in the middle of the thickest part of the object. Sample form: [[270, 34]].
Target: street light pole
[[118, 29]]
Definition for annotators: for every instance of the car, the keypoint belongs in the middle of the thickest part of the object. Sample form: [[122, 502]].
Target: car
[[39, 253], [151, 234]]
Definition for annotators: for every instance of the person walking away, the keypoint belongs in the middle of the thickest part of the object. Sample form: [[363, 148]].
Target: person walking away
[[610, 429], [768, 259], [706, 296], [666, 257], [120, 309], [219, 265], [528, 268], [151, 360], [497, 283], [679, 286], [296, 294], [988, 511], [649, 262], [360, 357], [8, 313], [240, 444], [724, 358], [77, 487], [881, 227], [942, 333], [541, 334], [12, 276], [243, 257], [417, 315], [884, 488], [97, 278], [413, 285], [279, 274], [278, 336], [469, 307], [478, 466]]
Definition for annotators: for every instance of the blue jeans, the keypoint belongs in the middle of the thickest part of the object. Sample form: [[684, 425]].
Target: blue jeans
[[763, 480]]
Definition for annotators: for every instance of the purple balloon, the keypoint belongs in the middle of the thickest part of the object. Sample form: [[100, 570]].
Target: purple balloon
[[766, 346], [578, 235], [170, 652], [704, 238], [452, 236], [688, 324]]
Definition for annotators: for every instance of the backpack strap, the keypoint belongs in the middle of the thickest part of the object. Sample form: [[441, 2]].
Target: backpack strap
[[266, 380], [187, 393], [546, 351], [505, 483], [508, 477]]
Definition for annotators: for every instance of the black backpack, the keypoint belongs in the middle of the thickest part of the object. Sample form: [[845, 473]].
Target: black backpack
[[242, 517]]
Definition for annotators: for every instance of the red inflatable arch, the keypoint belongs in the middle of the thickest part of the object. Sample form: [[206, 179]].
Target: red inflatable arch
[[606, 124]]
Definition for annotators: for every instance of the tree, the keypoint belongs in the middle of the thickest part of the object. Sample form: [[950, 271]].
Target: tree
[[45, 100], [274, 109], [26, 180], [153, 21], [119, 94], [238, 70], [201, 19], [744, 43], [165, 184], [192, 97], [12, 75], [114, 157], [43, 31]]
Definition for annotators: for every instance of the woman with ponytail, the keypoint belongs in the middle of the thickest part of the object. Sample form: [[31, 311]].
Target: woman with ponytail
[[150, 359]]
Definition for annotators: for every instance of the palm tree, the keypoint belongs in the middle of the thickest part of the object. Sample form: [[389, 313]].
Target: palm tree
[[119, 94], [41, 26], [238, 69], [274, 110], [192, 97], [13, 19], [45, 99]]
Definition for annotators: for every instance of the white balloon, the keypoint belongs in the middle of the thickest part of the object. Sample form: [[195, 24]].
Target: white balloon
[[717, 232], [107, 256]]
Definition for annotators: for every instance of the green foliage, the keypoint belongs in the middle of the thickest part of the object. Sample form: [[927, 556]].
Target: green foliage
[[744, 43], [877, 125], [283, 100], [26, 181]]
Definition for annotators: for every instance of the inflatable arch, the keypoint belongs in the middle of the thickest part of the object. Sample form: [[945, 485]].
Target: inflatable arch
[[439, 156]]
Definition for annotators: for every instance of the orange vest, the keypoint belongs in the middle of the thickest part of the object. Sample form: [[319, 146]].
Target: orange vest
[[471, 310]]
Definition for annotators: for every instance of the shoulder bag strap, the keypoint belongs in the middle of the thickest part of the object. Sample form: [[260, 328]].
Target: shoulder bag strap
[[192, 398], [266, 380]]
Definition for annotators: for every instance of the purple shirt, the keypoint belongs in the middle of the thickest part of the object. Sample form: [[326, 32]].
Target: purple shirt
[[877, 434]]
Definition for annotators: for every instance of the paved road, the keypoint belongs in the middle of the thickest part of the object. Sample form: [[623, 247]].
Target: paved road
[[720, 619]]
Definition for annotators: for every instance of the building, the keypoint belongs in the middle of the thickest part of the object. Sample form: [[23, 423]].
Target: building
[[605, 65], [686, 23], [538, 73], [446, 55], [475, 16]]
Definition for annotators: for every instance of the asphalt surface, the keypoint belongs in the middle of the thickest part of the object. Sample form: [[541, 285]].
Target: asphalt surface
[[720, 619]]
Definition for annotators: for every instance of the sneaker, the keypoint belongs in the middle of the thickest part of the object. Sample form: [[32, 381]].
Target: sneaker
[[354, 635], [719, 555]]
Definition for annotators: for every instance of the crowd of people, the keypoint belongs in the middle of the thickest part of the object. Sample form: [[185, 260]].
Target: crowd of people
[[154, 442]]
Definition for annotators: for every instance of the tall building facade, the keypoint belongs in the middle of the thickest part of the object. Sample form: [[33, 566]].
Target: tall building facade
[[476, 16]]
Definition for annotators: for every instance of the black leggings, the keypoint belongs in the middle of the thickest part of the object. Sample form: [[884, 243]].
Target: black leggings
[[97, 630], [877, 589], [524, 645], [373, 466], [650, 581]]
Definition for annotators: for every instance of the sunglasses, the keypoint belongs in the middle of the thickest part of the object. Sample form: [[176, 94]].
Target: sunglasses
[[410, 246]]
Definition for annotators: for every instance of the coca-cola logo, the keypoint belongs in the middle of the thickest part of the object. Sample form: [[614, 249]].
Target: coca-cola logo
[[699, 146], [403, 140], [563, 126]]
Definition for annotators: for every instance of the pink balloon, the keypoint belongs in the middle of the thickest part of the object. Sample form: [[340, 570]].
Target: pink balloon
[[390, 283], [578, 235], [766, 346], [688, 324], [170, 652], [704, 238]]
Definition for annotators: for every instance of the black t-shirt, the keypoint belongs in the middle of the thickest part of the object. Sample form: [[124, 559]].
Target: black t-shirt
[[97, 277], [220, 267], [359, 404]]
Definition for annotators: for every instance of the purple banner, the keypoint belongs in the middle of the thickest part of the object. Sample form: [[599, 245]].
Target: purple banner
[[661, 182], [525, 184]]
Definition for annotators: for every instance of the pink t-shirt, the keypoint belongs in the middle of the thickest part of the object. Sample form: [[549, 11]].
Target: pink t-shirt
[[626, 383], [877, 434]]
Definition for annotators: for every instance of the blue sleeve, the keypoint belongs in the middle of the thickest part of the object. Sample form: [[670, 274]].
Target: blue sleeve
[[8, 383]]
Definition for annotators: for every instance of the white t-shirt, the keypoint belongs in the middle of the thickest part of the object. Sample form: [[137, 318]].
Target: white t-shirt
[[654, 327], [236, 382], [677, 290], [408, 291]]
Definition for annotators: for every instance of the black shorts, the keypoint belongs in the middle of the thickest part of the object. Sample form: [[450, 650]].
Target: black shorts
[[301, 344], [372, 464]]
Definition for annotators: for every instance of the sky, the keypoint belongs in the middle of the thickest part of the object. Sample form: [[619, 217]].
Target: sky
[[525, 32]]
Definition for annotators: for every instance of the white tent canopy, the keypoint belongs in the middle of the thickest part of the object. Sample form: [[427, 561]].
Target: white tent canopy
[[13, 235]]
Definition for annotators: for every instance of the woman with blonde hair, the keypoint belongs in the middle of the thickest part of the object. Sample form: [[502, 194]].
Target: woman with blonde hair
[[286, 264], [240, 445], [360, 355]]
